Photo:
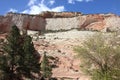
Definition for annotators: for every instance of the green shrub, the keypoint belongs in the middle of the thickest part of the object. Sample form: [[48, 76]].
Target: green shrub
[[100, 57]]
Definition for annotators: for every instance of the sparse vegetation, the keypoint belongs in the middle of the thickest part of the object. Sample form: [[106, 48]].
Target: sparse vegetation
[[100, 57], [61, 30], [46, 67]]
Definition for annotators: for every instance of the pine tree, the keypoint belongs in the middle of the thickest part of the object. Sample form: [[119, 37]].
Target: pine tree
[[45, 67], [30, 64], [8, 60], [18, 59]]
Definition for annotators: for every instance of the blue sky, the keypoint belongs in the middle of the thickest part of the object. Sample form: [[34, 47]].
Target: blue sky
[[37, 6]]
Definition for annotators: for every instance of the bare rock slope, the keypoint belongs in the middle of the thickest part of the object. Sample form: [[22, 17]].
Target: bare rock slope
[[60, 46]]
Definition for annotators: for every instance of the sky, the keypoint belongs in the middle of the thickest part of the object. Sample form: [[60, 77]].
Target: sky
[[37, 6]]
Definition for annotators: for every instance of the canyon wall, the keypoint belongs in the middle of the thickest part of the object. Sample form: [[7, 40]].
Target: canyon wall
[[22, 21], [113, 23], [60, 21]]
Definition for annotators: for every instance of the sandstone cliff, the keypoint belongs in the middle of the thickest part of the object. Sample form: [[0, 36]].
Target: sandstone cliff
[[23, 21], [60, 21]]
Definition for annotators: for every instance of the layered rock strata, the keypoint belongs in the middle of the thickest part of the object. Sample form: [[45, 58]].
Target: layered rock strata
[[60, 21]]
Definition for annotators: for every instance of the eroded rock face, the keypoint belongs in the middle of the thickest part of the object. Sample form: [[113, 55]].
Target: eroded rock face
[[67, 66], [48, 14], [113, 23], [101, 22], [5, 23], [91, 19], [22, 21], [60, 21], [96, 26]]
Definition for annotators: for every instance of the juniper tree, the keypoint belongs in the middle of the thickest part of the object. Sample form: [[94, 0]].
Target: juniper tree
[[46, 67]]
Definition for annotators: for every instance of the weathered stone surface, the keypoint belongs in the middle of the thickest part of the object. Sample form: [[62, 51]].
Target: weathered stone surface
[[23, 21], [96, 26], [91, 19], [67, 65], [113, 23], [5, 23], [48, 14], [60, 21]]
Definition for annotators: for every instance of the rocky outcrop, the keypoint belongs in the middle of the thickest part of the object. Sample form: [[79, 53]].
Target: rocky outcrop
[[60, 21], [101, 22], [96, 26], [22, 21], [112, 23], [5, 23], [91, 19], [60, 46], [48, 14]]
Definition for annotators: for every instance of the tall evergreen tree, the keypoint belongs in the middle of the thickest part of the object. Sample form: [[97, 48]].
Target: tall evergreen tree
[[46, 67], [18, 59], [30, 63], [8, 60]]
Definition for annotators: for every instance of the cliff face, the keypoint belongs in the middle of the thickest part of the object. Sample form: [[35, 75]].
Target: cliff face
[[60, 21], [48, 14], [23, 21], [5, 23]]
